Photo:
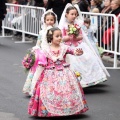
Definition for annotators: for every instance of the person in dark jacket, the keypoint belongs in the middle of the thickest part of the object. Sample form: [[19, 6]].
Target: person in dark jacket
[[39, 3], [57, 6], [22, 2], [2, 12], [83, 5]]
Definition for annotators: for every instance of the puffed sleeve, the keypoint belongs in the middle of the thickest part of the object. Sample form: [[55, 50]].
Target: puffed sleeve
[[41, 57], [70, 51]]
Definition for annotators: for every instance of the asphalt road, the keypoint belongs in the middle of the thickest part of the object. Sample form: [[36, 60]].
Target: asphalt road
[[103, 99]]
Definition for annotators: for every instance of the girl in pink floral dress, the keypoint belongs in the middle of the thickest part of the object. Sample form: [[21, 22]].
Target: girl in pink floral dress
[[57, 92]]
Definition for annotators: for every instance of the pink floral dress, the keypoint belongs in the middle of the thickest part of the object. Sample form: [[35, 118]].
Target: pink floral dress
[[57, 92]]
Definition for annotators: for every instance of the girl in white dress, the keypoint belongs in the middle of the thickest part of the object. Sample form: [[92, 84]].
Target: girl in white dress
[[89, 64]]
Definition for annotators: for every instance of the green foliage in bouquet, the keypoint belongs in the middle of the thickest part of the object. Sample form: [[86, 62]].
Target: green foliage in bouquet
[[73, 30]]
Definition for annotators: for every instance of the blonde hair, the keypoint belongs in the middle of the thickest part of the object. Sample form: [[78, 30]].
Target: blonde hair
[[95, 10], [116, 2]]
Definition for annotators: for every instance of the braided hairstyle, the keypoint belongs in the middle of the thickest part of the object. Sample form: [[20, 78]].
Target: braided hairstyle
[[50, 33]]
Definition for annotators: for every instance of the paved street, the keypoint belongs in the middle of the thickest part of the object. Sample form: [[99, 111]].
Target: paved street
[[103, 99]]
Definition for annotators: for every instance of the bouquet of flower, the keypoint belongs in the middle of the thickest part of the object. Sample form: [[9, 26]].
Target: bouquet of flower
[[73, 30], [28, 60]]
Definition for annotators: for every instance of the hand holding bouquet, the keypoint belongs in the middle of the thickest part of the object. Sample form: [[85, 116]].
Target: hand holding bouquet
[[73, 30], [28, 60]]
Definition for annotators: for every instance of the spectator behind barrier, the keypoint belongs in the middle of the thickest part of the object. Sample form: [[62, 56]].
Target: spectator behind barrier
[[2, 12], [115, 6], [95, 4], [57, 6]]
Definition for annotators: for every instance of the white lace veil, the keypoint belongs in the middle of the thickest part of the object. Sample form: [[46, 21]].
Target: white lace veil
[[43, 16], [78, 20], [45, 44]]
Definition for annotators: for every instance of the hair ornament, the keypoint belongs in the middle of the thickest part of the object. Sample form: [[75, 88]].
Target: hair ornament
[[50, 10], [50, 32]]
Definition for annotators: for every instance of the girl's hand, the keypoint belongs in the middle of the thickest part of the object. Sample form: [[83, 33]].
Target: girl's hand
[[78, 51]]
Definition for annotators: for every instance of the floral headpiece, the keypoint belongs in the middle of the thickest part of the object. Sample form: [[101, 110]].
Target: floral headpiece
[[50, 32]]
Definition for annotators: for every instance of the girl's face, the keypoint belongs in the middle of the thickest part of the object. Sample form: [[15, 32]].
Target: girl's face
[[49, 20], [57, 37], [106, 3], [13, 1], [45, 2], [92, 3], [71, 15], [87, 25]]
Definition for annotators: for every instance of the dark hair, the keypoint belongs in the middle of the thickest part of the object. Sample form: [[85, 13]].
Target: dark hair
[[85, 2], [87, 20], [50, 13], [71, 8], [98, 2], [50, 33]]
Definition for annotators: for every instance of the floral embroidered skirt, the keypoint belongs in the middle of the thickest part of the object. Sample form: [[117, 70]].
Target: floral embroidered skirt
[[57, 93], [28, 82]]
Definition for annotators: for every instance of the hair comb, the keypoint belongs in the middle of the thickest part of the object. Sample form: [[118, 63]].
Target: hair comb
[[50, 32]]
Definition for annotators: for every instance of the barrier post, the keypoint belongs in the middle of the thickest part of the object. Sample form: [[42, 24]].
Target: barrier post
[[23, 26], [3, 30], [116, 40], [112, 46]]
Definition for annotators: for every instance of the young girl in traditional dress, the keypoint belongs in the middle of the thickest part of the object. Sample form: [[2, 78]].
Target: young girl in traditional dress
[[57, 92], [49, 18], [89, 64]]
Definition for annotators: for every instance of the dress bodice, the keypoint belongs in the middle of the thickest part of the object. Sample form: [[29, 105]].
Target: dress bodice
[[58, 65], [58, 62], [72, 40]]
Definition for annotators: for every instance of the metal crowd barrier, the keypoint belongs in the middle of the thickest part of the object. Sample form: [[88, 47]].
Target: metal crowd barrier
[[27, 20], [24, 19], [106, 32]]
